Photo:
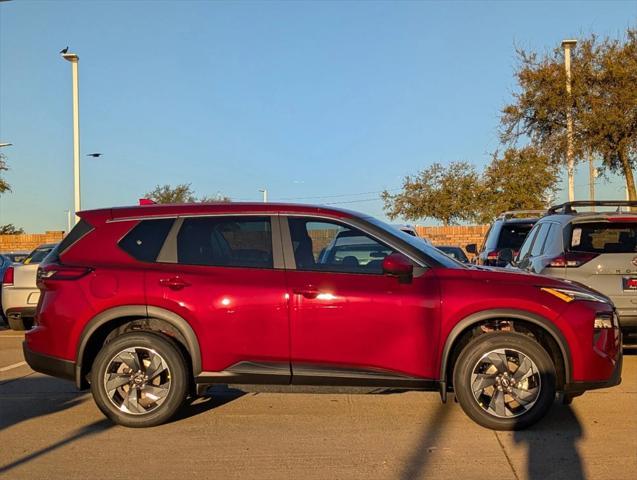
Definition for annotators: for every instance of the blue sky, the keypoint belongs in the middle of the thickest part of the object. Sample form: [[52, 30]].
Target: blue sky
[[307, 99]]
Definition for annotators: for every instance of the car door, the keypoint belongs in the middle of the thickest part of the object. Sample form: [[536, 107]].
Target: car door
[[349, 323], [224, 275]]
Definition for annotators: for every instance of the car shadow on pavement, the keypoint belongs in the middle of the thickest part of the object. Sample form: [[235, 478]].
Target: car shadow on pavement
[[214, 397], [29, 397], [86, 431], [416, 464], [552, 446]]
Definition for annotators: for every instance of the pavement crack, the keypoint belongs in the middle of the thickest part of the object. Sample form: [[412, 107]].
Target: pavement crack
[[506, 455]]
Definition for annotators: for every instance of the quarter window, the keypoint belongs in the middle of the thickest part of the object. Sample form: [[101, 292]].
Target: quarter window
[[226, 242], [145, 240], [332, 247]]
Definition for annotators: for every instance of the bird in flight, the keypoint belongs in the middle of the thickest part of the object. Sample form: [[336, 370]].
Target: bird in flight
[[94, 155], [64, 50]]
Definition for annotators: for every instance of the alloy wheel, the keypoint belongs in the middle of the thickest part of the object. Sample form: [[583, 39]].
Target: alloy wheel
[[506, 383], [137, 380]]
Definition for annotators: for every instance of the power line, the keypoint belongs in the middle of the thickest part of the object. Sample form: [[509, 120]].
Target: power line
[[355, 201], [341, 195]]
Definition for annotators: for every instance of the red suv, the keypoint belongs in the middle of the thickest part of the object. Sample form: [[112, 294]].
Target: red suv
[[147, 305]]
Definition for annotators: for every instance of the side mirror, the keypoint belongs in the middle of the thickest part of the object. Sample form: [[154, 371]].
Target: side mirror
[[472, 248], [505, 256], [398, 265]]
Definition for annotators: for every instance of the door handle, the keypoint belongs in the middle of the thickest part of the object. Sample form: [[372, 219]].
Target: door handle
[[307, 292], [174, 283]]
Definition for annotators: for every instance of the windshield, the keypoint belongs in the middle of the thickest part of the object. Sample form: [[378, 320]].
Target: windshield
[[430, 251], [38, 255], [512, 235]]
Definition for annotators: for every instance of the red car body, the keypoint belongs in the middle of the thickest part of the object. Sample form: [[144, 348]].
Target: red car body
[[288, 326]]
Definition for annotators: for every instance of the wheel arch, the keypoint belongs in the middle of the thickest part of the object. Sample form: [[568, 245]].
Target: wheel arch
[[105, 322], [475, 319]]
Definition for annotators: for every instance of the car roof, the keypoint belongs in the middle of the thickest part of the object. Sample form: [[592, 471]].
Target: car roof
[[587, 217], [167, 210]]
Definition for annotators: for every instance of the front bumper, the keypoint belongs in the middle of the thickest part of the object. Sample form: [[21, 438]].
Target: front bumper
[[56, 367], [577, 388]]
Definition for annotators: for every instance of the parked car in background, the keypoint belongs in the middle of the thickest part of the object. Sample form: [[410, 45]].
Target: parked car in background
[[454, 252], [508, 231], [595, 248], [20, 293], [16, 257], [410, 230], [5, 262], [149, 304]]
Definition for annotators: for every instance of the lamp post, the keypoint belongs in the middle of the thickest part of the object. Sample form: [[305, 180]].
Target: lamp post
[[265, 195], [74, 59], [567, 45]]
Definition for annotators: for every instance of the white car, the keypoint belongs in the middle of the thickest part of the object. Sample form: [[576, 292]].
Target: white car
[[20, 293], [408, 229]]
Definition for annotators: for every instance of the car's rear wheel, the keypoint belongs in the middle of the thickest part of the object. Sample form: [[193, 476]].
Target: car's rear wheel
[[504, 381], [139, 379]]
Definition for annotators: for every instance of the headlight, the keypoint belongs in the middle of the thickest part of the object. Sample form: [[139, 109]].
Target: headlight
[[571, 295]]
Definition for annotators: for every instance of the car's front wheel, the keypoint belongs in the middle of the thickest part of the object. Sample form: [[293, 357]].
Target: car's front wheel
[[139, 379], [504, 381]]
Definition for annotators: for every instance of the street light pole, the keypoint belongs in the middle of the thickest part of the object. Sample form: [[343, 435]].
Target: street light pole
[[74, 59], [265, 195], [568, 45]]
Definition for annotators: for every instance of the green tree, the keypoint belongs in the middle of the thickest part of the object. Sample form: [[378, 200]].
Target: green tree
[[10, 229], [448, 194], [519, 179], [4, 186], [603, 104], [182, 193]]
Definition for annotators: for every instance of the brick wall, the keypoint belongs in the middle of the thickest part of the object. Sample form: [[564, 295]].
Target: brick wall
[[456, 235], [28, 241]]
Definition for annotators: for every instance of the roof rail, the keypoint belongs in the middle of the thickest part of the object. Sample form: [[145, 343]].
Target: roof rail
[[515, 213], [567, 207]]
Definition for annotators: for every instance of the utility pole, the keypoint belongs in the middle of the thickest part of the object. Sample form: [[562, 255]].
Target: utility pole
[[74, 59], [568, 45], [265, 195]]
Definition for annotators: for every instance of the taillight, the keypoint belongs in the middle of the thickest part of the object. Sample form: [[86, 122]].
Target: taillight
[[7, 278], [572, 259], [55, 271], [492, 255]]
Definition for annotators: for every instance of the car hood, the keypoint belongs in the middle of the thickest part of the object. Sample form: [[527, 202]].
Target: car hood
[[521, 277]]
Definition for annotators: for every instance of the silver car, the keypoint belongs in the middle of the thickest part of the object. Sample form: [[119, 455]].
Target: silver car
[[20, 293], [598, 249]]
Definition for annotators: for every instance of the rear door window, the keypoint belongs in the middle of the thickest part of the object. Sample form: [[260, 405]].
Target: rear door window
[[226, 242], [604, 237]]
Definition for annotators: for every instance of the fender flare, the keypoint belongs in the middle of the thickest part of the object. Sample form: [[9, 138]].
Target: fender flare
[[144, 311], [477, 317]]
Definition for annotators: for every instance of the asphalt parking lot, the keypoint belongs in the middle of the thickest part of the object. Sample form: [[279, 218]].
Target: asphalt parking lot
[[48, 430]]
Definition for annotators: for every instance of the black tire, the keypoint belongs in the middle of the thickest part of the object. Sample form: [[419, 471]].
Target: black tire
[[174, 374], [514, 415]]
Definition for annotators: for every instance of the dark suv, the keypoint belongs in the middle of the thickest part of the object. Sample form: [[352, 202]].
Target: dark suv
[[148, 305], [508, 231]]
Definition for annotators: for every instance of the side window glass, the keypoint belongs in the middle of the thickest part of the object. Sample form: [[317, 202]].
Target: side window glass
[[145, 240], [525, 249], [538, 244], [226, 242], [331, 247], [553, 244]]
